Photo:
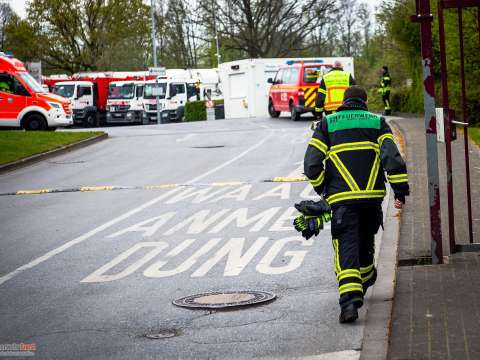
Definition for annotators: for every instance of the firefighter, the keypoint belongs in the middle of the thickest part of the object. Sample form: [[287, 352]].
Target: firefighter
[[331, 89], [197, 89], [385, 88], [358, 148], [5, 87]]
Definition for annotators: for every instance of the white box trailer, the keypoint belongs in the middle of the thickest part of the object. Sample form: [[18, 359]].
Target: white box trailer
[[245, 87]]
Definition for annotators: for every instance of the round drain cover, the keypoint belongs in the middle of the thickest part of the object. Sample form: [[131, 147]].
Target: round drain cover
[[224, 299], [162, 334]]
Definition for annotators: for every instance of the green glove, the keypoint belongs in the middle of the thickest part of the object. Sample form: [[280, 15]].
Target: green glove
[[314, 215], [308, 225]]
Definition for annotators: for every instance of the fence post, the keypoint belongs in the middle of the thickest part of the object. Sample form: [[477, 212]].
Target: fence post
[[424, 17]]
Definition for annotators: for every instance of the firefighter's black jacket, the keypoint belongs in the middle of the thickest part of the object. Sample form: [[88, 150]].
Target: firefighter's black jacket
[[358, 149]]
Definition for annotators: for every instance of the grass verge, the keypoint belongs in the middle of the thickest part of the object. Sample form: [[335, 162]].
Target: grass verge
[[474, 133], [16, 145]]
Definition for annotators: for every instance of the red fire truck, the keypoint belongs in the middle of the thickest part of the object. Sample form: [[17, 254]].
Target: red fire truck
[[89, 93], [24, 103]]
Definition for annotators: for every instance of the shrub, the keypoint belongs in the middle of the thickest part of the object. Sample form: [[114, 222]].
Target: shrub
[[195, 111]]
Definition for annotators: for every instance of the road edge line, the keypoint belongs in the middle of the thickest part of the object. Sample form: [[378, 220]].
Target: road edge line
[[51, 153]]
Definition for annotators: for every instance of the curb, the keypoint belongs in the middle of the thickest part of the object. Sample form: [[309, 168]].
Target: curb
[[380, 305], [52, 153]]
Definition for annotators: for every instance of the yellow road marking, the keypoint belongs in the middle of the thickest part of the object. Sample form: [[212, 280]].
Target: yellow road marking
[[33, 192], [289, 179], [96, 188]]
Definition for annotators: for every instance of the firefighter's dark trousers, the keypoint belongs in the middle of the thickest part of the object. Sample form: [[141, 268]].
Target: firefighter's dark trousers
[[353, 232], [386, 103]]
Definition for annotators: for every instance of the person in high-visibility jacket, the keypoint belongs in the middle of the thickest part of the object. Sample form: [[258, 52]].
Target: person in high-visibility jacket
[[385, 88], [358, 148], [331, 89]]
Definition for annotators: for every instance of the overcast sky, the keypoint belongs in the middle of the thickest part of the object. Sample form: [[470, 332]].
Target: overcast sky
[[19, 5]]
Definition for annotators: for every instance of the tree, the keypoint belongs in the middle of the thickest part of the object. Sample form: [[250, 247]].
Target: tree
[[6, 14], [82, 35], [266, 28]]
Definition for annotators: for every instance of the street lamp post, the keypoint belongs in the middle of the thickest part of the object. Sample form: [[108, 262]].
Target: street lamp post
[[154, 45]]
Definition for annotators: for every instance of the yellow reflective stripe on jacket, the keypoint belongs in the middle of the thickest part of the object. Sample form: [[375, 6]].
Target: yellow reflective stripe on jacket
[[383, 137], [350, 287], [320, 90], [360, 145], [352, 184], [320, 145], [397, 178], [319, 180], [354, 195], [372, 179]]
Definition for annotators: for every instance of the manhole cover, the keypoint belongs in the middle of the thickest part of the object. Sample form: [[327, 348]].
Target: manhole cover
[[224, 299], [162, 334], [208, 147]]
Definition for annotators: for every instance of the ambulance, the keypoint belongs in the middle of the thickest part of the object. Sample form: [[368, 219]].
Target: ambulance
[[25, 104]]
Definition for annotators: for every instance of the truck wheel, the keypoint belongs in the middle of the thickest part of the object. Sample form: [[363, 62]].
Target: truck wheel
[[90, 120], [35, 122], [271, 110], [294, 115]]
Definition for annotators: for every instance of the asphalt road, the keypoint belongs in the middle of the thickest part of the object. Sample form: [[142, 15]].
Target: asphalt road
[[85, 275]]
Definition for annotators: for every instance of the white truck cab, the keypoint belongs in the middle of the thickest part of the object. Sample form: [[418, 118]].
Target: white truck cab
[[125, 102], [82, 97]]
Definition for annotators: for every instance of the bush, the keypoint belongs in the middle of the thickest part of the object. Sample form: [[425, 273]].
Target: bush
[[195, 111]]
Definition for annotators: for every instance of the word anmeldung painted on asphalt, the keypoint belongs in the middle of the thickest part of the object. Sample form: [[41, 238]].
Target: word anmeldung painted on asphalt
[[159, 259]]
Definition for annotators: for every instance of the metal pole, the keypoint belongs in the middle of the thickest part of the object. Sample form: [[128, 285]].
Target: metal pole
[[216, 33], [465, 119], [154, 45], [425, 18], [447, 128]]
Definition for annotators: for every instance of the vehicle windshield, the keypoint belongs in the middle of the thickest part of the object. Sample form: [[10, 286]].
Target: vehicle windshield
[[64, 90], [148, 92], [121, 91], [31, 82], [311, 73]]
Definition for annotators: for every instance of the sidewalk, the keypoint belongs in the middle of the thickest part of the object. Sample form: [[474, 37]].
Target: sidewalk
[[436, 311]]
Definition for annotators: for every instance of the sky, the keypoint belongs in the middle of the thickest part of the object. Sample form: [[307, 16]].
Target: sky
[[19, 5]]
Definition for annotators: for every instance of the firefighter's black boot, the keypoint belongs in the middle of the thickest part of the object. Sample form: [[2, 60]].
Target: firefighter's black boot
[[348, 314]]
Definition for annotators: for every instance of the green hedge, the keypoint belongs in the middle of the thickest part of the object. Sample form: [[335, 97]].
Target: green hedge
[[197, 111]]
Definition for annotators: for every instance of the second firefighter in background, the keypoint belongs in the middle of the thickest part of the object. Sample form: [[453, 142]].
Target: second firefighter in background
[[331, 89]]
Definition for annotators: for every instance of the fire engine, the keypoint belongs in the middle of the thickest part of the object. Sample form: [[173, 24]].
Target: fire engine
[[89, 93], [294, 88], [24, 103]]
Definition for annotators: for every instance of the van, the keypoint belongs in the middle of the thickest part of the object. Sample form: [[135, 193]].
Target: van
[[24, 103], [294, 88]]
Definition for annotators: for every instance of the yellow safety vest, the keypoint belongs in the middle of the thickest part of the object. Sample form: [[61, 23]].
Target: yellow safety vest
[[336, 82]]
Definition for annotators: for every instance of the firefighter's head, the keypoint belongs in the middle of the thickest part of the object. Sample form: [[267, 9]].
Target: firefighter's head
[[337, 65], [355, 92], [385, 69]]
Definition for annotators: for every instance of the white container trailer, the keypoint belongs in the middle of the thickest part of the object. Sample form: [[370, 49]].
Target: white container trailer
[[245, 87]]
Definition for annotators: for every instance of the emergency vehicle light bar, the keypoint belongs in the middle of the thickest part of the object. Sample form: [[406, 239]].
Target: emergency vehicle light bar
[[8, 54], [291, 62]]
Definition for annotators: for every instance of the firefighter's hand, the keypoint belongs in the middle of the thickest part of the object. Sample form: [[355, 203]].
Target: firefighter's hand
[[399, 201], [308, 225], [313, 208]]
